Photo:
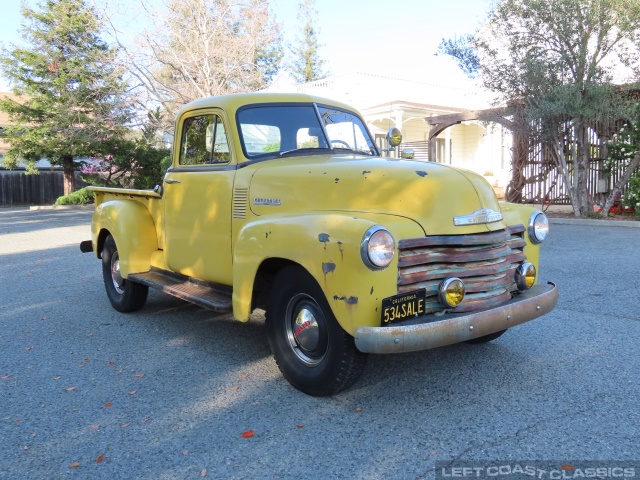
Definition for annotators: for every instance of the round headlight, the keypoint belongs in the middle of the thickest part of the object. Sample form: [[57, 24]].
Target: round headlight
[[378, 247], [451, 292], [538, 227], [525, 276]]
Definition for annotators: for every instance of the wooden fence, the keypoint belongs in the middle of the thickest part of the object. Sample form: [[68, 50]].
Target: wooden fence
[[19, 189]]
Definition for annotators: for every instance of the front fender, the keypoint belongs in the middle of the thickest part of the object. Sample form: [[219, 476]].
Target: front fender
[[328, 247], [515, 214], [132, 228]]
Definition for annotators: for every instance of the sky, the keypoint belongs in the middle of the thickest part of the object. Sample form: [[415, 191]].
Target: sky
[[396, 39]]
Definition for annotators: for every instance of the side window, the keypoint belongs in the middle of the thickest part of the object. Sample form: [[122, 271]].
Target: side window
[[204, 141]]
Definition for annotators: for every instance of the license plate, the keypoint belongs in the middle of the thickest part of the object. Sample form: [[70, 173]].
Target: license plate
[[403, 306]]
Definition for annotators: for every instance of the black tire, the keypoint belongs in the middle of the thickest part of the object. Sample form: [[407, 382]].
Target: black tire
[[486, 338], [325, 359], [125, 296]]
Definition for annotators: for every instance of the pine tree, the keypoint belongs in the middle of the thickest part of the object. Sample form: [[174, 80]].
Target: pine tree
[[71, 96], [307, 66]]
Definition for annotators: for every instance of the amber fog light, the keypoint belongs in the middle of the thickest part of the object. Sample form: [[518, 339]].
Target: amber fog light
[[451, 292], [525, 276]]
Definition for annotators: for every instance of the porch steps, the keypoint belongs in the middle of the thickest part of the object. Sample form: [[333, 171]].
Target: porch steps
[[206, 295]]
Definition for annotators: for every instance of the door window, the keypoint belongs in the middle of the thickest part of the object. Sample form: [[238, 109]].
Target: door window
[[204, 141]]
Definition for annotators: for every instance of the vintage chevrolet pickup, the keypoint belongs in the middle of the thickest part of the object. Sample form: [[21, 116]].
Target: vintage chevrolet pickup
[[282, 202]]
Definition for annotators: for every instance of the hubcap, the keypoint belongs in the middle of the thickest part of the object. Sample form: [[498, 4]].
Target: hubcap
[[118, 281], [305, 329]]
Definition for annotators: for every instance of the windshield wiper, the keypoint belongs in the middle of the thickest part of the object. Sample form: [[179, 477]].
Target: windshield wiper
[[302, 150]]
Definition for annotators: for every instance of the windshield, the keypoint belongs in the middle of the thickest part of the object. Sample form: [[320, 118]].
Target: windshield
[[272, 130]]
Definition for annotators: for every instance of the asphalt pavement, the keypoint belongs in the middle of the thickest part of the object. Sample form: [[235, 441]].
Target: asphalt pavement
[[167, 392]]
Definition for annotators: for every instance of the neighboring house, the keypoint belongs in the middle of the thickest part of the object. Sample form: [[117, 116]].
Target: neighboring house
[[387, 102], [4, 147]]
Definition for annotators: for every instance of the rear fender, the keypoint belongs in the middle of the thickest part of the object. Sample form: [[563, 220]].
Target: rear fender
[[132, 228]]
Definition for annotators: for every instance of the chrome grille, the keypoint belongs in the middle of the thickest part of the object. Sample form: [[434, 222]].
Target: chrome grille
[[485, 262]]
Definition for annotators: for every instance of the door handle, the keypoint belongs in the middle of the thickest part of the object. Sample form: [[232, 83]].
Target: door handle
[[171, 180]]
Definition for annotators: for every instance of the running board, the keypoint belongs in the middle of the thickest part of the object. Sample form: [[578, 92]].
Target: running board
[[194, 291]]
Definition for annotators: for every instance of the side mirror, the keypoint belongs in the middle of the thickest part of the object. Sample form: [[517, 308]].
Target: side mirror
[[394, 137]]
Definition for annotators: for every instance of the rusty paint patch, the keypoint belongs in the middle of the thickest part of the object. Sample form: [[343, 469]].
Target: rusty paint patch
[[324, 238], [422, 173], [347, 300], [328, 267]]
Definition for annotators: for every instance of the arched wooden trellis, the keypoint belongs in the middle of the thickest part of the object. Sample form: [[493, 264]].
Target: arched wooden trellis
[[501, 116]]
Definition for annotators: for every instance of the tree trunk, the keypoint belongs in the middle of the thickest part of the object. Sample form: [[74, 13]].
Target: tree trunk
[[622, 181], [581, 204], [69, 178]]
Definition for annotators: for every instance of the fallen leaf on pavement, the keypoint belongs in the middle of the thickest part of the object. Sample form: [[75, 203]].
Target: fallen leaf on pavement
[[100, 459], [203, 473], [74, 465], [6, 377], [132, 392], [248, 434], [86, 360], [28, 348], [357, 410], [57, 378], [185, 452], [108, 404], [299, 426], [234, 388], [245, 375], [70, 389], [95, 427], [139, 375], [125, 425], [111, 362]]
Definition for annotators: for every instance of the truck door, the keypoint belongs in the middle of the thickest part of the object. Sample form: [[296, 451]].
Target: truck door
[[197, 198]]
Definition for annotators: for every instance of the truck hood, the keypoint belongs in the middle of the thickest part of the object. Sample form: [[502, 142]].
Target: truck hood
[[428, 193]]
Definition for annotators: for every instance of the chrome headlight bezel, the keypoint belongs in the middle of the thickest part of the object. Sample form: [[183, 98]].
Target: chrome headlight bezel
[[374, 238], [538, 228]]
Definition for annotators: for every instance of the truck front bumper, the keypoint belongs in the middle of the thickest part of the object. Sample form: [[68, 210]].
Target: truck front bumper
[[431, 331]]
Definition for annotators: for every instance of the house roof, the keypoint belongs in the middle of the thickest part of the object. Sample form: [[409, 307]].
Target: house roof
[[4, 120], [422, 106]]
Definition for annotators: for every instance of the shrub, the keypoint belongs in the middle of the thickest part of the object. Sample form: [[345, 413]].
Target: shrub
[[79, 197]]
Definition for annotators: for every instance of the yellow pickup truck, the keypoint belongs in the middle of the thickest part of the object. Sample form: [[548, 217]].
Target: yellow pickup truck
[[283, 202]]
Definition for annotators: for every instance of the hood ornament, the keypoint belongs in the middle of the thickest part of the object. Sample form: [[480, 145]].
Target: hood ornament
[[484, 215]]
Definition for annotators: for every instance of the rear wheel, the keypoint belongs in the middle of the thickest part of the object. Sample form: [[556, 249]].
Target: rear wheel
[[311, 349], [124, 295], [486, 338]]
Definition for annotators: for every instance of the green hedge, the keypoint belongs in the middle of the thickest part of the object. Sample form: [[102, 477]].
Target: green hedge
[[79, 197]]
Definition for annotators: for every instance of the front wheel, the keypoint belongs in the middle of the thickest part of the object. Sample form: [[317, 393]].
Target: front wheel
[[124, 295], [311, 349]]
